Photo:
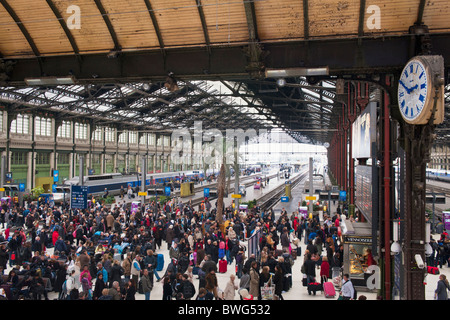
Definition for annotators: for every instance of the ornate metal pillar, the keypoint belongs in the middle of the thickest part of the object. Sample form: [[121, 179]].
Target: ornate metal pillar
[[417, 138], [345, 126]]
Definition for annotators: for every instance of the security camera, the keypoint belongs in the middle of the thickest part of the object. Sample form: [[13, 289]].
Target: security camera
[[396, 248], [419, 261]]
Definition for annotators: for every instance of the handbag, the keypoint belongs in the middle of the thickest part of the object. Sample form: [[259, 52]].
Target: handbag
[[268, 290], [304, 283]]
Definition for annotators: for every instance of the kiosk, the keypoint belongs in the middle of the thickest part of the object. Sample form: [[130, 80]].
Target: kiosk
[[187, 189]]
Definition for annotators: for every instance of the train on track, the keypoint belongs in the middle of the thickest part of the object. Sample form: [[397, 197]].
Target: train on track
[[113, 182], [438, 174]]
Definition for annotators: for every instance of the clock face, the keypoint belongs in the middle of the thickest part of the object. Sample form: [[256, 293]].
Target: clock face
[[413, 90]]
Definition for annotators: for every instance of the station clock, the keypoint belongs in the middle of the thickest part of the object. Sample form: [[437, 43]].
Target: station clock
[[420, 88]]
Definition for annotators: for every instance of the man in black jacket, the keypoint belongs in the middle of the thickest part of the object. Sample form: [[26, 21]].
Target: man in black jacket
[[37, 287], [309, 269]]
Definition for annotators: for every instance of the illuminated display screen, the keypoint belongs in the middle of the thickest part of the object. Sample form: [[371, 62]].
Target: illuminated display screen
[[363, 190]]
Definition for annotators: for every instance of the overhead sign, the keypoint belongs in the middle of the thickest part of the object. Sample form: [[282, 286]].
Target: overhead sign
[[22, 187], [55, 175], [310, 198], [284, 199], [167, 191], [206, 192], [78, 197], [236, 196], [142, 193], [342, 196]]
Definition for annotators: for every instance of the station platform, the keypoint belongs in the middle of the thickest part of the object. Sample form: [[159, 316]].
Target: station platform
[[297, 292], [296, 199]]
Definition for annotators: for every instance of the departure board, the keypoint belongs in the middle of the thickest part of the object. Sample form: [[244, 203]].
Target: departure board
[[363, 190], [78, 197]]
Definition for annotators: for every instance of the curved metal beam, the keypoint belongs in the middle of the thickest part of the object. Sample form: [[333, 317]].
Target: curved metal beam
[[63, 24], [420, 12], [305, 19], [108, 23], [203, 20], [21, 26], [155, 23], [249, 7]]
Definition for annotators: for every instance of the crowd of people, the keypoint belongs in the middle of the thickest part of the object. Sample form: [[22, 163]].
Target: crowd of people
[[111, 253]]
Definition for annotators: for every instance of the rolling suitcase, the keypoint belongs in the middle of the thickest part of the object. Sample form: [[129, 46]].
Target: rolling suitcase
[[160, 261], [223, 264], [313, 287], [433, 270], [328, 290]]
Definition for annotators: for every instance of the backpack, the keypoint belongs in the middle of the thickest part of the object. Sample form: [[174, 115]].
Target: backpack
[[187, 290], [140, 287]]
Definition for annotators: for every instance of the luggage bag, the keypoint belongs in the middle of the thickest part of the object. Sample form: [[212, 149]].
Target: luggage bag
[[223, 264], [433, 270], [313, 287], [328, 290], [160, 261]]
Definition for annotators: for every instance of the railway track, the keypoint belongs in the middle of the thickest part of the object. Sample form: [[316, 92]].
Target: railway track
[[250, 182], [270, 199], [246, 181]]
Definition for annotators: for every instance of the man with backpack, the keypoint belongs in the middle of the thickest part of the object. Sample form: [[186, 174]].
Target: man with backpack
[[186, 288]]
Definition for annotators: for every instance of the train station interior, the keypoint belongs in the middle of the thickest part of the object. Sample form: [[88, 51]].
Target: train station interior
[[279, 92]]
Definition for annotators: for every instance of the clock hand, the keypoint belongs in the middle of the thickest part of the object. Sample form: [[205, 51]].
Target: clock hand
[[406, 88], [414, 88]]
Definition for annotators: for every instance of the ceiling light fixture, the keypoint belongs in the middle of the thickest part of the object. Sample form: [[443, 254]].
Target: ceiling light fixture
[[50, 81], [297, 72]]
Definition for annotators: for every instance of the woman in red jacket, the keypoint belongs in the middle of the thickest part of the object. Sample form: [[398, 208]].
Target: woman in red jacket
[[55, 236], [324, 270]]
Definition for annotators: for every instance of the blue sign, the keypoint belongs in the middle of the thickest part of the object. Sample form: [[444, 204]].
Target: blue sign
[[55, 175], [22, 187], [78, 197], [342, 196], [284, 199], [167, 191], [206, 192], [54, 188]]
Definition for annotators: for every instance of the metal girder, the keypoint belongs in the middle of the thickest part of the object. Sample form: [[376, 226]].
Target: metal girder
[[63, 24], [229, 63], [115, 104], [203, 21], [108, 23], [21, 26], [155, 23]]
